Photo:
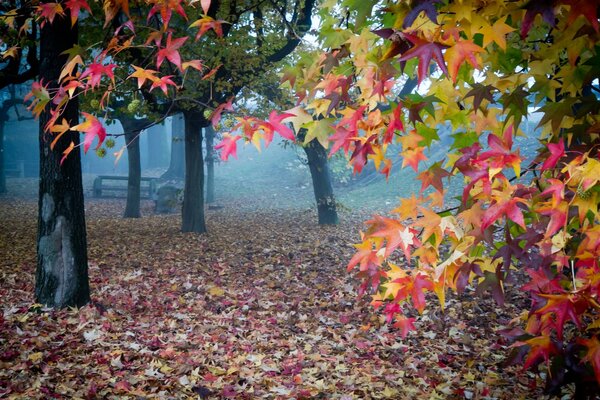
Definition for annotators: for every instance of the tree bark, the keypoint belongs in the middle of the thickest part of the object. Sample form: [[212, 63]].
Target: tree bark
[[177, 163], [62, 270], [192, 218], [2, 170], [210, 164], [132, 139], [321, 179]]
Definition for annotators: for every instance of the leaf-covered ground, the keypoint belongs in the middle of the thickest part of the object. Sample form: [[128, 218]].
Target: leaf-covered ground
[[261, 307]]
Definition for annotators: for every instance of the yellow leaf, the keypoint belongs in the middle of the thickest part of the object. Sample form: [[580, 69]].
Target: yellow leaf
[[216, 291], [35, 357]]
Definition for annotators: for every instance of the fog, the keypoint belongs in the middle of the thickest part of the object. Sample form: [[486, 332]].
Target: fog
[[276, 177]]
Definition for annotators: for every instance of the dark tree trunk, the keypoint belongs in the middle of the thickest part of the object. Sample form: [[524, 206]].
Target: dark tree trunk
[[321, 179], [132, 139], [2, 171], [210, 164], [177, 163], [192, 218], [62, 270]]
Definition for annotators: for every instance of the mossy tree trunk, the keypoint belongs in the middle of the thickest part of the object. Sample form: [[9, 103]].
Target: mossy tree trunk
[[62, 270]]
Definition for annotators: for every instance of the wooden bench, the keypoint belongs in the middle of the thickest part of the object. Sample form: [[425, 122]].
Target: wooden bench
[[117, 184]]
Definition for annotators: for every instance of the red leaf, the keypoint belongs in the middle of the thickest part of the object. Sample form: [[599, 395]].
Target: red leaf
[[284, 131], [540, 347], [593, 354], [425, 51], [75, 7], [405, 325], [228, 145], [162, 83], [557, 151], [92, 128], [170, 51], [564, 307]]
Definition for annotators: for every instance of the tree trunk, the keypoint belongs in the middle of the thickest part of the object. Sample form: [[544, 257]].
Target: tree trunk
[[321, 179], [177, 163], [132, 139], [192, 218], [62, 270], [210, 164], [2, 170]]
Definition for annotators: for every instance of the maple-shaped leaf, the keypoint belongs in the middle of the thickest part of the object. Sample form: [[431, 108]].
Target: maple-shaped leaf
[[170, 51], [74, 7], [425, 50], [215, 117], [564, 307], [433, 176], [496, 33], [586, 8], [365, 256], [276, 122], [481, 92], [112, 8], [592, 354], [206, 23], [394, 125], [395, 234], [228, 146], [361, 152], [342, 138], [39, 97], [557, 151], [426, 6], [415, 286], [405, 325], [163, 82], [412, 157], [540, 348], [95, 72], [196, 64], [142, 74], [534, 7], [92, 128], [166, 9], [58, 130], [48, 11], [457, 54], [509, 208]]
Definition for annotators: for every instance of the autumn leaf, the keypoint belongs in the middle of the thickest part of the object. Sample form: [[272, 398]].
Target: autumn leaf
[[163, 82], [142, 75], [540, 347], [75, 7], [592, 354], [92, 128], [463, 50], [170, 51], [228, 146], [425, 50]]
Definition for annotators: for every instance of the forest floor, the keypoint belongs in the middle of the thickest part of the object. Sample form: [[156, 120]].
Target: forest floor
[[260, 307]]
